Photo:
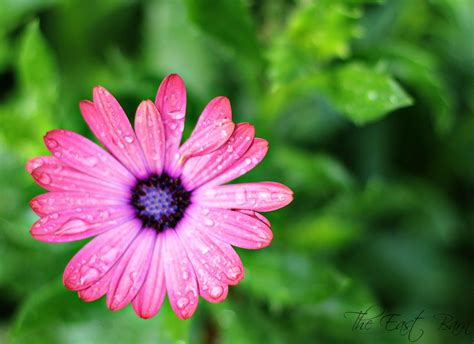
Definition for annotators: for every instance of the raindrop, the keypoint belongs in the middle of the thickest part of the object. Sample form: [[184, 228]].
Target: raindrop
[[51, 143], [73, 226], [89, 161], [372, 95], [44, 178], [88, 274], [176, 114], [241, 196], [233, 272], [278, 196], [182, 302], [128, 139], [216, 291], [209, 222]]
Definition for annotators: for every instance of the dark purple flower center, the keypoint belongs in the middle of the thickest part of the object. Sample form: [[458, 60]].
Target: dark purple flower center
[[160, 201]]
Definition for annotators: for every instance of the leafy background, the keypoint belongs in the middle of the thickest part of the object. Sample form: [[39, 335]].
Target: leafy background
[[369, 110]]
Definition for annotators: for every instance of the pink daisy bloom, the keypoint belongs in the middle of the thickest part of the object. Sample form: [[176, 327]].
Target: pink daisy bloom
[[164, 220]]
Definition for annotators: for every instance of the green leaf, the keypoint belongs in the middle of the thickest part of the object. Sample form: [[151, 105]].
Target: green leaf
[[36, 68], [228, 21], [324, 231], [365, 95], [284, 279], [55, 315], [327, 175], [316, 33], [12, 11], [172, 44], [26, 116]]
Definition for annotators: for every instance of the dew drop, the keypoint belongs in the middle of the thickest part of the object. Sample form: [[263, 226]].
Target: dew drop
[[45, 178], [241, 196], [248, 161], [88, 274], [216, 291], [278, 196], [233, 272], [209, 222], [372, 95], [109, 255], [73, 226], [176, 114], [182, 302], [104, 214], [51, 143], [128, 139], [90, 161]]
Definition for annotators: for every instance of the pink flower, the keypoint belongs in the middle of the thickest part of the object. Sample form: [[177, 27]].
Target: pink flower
[[164, 221]]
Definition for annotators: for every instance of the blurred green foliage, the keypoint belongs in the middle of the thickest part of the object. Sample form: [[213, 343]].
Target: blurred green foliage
[[369, 110]]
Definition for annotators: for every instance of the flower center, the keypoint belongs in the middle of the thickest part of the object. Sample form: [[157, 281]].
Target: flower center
[[160, 201]]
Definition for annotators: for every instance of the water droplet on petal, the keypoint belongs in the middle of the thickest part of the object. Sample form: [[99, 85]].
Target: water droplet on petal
[[44, 178], [88, 274], [241, 196], [128, 139], [182, 302], [90, 161], [209, 222], [216, 291], [110, 255], [233, 272], [51, 143], [73, 226], [278, 196]]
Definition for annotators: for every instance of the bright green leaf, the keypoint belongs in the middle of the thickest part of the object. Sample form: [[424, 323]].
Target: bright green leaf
[[365, 95]]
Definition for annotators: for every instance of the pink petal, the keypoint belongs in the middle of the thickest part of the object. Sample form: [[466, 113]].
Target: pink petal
[[53, 202], [151, 135], [180, 278], [152, 293], [213, 129], [171, 103], [217, 257], [248, 161], [38, 161], [260, 196], [201, 169], [255, 215], [210, 288], [98, 289], [131, 270], [111, 126], [99, 256], [79, 223], [54, 175], [85, 156], [232, 227]]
